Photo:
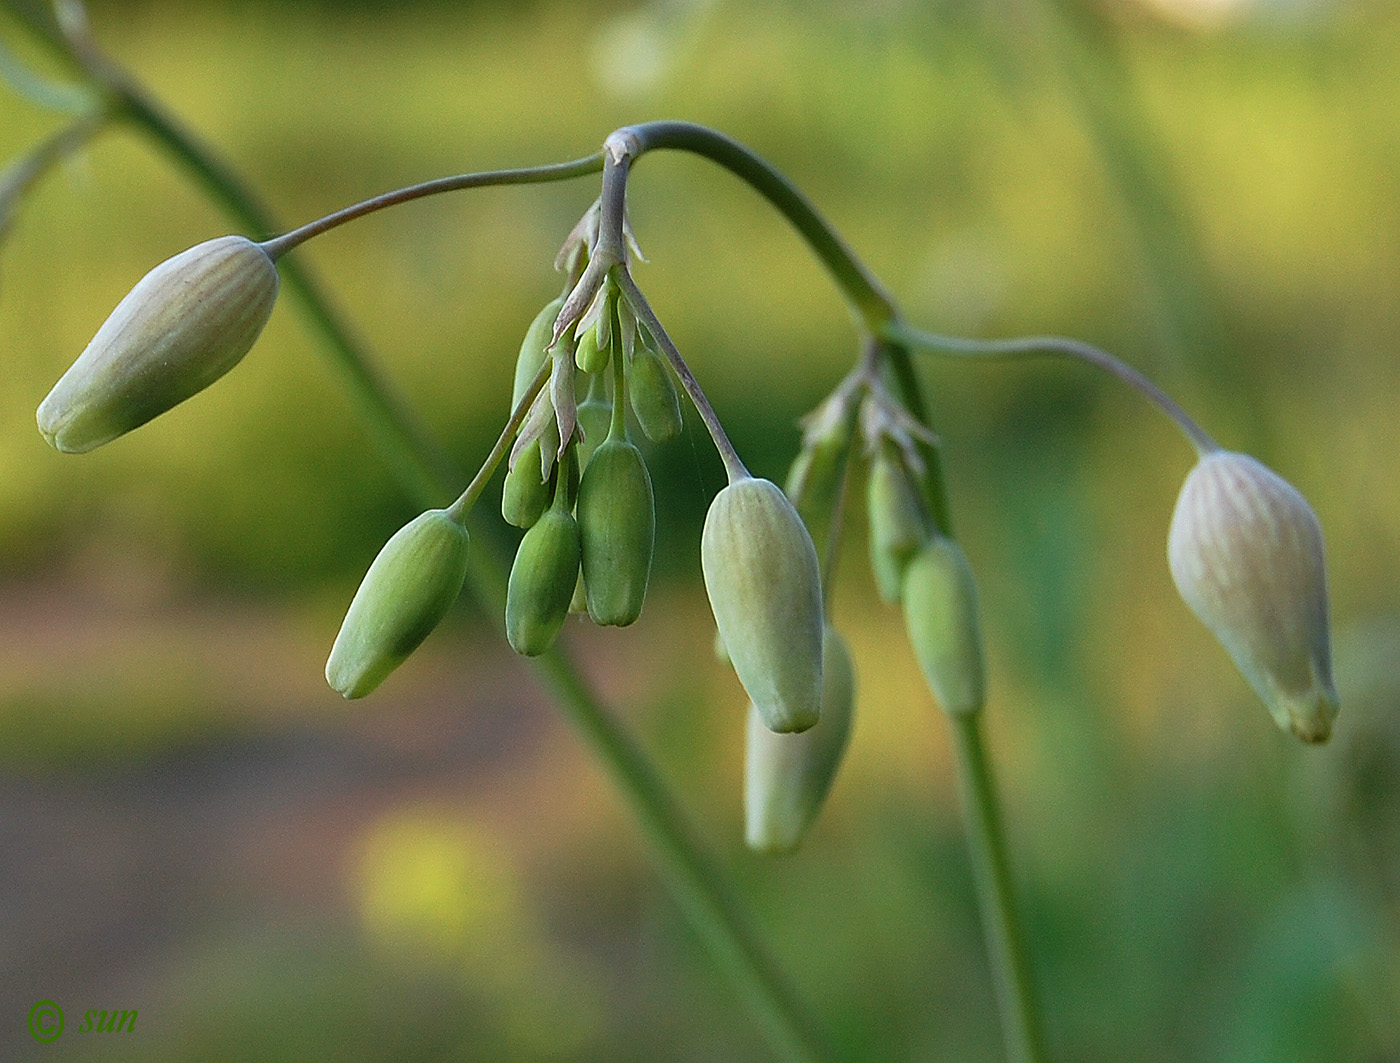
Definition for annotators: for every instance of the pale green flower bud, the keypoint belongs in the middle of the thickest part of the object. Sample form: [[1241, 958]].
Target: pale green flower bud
[[897, 524], [942, 621], [764, 584], [589, 356], [185, 324], [787, 776], [405, 594], [653, 396], [542, 582], [595, 419], [617, 527], [1245, 550], [524, 494], [534, 349]]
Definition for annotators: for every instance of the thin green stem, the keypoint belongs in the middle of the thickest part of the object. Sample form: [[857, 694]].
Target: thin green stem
[[872, 305], [991, 872], [1023, 346], [701, 888], [459, 509], [562, 171], [705, 893], [733, 465]]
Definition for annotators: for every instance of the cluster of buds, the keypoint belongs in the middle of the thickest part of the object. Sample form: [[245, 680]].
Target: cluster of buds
[[1245, 548]]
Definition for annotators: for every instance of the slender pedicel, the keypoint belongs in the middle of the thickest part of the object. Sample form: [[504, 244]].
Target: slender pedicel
[[563, 171], [899, 332]]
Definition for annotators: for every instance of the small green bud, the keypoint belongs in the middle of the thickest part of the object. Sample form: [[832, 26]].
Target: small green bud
[[617, 526], [185, 324], [589, 357], [405, 594], [764, 585], [816, 475], [595, 418], [897, 525], [787, 776], [542, 582], [942, 621], [534, 349], [1246, 553], [524, 494], [653, 395]]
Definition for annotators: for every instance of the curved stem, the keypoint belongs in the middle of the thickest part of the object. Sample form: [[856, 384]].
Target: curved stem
[[991, 872], [459, 509], [873, 306], [561, 171], [1023, 346]]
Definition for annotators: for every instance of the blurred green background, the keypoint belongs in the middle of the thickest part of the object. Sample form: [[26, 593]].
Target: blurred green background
[[193, 825]]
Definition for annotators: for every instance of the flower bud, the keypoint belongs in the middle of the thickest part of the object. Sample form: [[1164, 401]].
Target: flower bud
[[542, 581], [524, 493], [617, 528], [534, 349], [1245, 550], [765, 591], [787, 776], [589, 356], [653, 395], [941, 620], [595, 419], [406, 592], [184, 325], [896, 523]]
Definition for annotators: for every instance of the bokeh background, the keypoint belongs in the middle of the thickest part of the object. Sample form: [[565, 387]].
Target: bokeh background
[[193, 825]]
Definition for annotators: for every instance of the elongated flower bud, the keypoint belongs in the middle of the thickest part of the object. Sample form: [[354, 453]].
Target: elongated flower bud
[[942, 622], [524, 494], [1245, 550], [595, 419], [405, 594], [542, 581], [897, 525], [765, 590], [787, 776], [653, 395], [534, 349], [617, 528], [185, 324]]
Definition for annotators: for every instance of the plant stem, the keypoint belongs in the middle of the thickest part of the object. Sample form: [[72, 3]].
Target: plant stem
[[991, 872], [711, 904], [1022, 346], [562, 171], [872, 305], [699, 885]]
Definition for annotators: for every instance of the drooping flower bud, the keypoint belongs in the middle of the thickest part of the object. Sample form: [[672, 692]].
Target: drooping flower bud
[[1245, 550], [653, 395], [542, 581], [942, 621], [762, 576], [534, 349], [525, 493], [589, 356], [787, 776], [405, 594], [185, 324], [595, 420], [897, 524], [617, 528]]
